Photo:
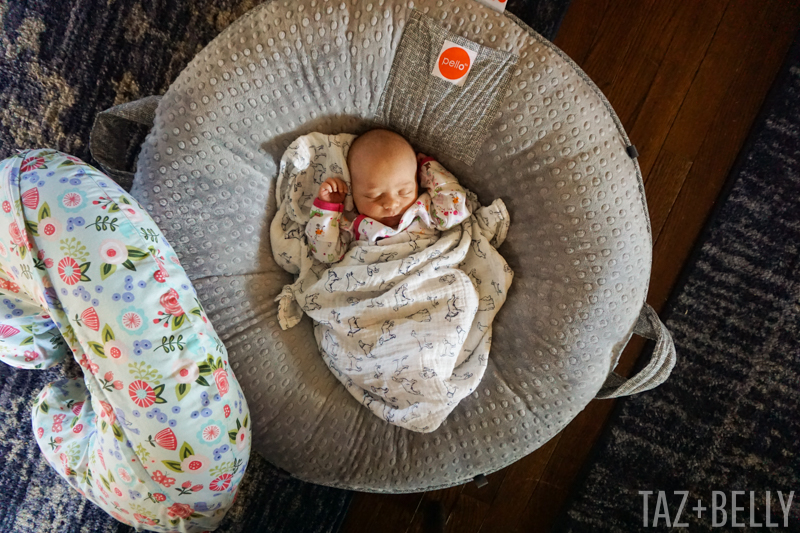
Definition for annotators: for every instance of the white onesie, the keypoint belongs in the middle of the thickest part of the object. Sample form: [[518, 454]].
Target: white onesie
[[441, 207]]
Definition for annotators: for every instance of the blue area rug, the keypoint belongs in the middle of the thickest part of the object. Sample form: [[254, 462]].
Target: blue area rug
[[727, 419], [62, 62]]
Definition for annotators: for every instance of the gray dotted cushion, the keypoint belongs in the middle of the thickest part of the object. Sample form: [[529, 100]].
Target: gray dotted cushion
[[555, 153]]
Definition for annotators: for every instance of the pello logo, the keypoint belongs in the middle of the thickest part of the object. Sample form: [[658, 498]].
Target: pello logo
[[454, 63], [497, 5]]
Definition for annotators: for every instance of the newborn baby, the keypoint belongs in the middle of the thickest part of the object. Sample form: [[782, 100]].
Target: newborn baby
[[402, 310], [385, 176]]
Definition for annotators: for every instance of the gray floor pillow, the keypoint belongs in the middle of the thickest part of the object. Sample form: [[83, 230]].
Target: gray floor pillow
[[527, 126]]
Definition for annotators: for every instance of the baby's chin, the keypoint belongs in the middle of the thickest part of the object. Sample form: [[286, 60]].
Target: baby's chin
[[391, 221]]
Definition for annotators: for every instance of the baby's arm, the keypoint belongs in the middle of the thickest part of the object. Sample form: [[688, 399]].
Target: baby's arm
[[448, 199], [327, 239]]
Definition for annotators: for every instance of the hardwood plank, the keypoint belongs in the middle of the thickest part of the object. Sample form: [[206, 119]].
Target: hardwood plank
[[578, 32], [467, 516], [364, 510], [643, 59], [515, 492], [622, 26], [446, 498], [719, 149], [546, 502], [699, 22], [394, 512], [735, 40], [663, 185]]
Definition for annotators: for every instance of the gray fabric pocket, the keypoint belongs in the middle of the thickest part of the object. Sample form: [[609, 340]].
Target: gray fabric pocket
[[436, 114]]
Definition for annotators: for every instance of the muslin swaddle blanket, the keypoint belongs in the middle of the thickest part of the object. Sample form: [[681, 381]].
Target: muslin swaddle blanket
[[407, 326]]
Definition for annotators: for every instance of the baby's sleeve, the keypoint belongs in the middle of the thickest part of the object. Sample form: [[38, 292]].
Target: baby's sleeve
[[327, 232], [448, 198]]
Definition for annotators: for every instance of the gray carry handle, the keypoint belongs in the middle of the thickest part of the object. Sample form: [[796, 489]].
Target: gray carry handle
[[657, 370], [111, 136]]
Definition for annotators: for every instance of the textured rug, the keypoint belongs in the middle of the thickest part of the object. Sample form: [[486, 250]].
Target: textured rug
[[727, 419], [62, 62]]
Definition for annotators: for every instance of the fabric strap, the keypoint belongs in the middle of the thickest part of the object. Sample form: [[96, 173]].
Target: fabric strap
[[112, 139], [662, 361]]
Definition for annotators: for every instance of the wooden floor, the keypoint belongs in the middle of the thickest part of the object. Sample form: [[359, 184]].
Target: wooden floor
[[687, 78]]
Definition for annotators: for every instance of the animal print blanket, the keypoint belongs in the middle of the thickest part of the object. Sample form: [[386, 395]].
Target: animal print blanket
[[405, 326]]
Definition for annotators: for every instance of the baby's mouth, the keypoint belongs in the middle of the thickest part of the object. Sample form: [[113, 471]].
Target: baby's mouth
[[392, 220]]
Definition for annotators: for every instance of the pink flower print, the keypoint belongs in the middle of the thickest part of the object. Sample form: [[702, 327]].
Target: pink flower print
[[166, 439], [169, 301], [116, 350], [72, 199], [9, 285], [185, 371], [7, 331], [32, 163], [47, 262], [195, 464], [90, 319], [30, 355], [221, 379], [90, 366], [30, 198], [113, 252], [57, 420], [141, 393], [241, 438], [221, 483], [124, 475], [180, 510], [49, 229], [69, 271], [64, 462], [159, 477], [142, 519], [40, 432], [16, 234], [107, 411], [132, 214], [211, 432], [7, 206], [131, 320], [161, 274]]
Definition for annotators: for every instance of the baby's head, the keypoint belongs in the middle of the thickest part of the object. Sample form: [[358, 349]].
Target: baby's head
[[383, 175]]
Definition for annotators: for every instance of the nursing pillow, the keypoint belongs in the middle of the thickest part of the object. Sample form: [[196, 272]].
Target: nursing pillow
[[527, 126]]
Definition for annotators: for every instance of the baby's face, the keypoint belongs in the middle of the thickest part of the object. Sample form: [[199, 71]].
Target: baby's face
[[384, 185]]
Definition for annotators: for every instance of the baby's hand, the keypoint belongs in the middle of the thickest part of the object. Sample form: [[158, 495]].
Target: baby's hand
[[333, 190]]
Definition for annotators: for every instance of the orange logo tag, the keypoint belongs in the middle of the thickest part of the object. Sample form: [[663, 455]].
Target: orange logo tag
[[453, 63], [497, 5]]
